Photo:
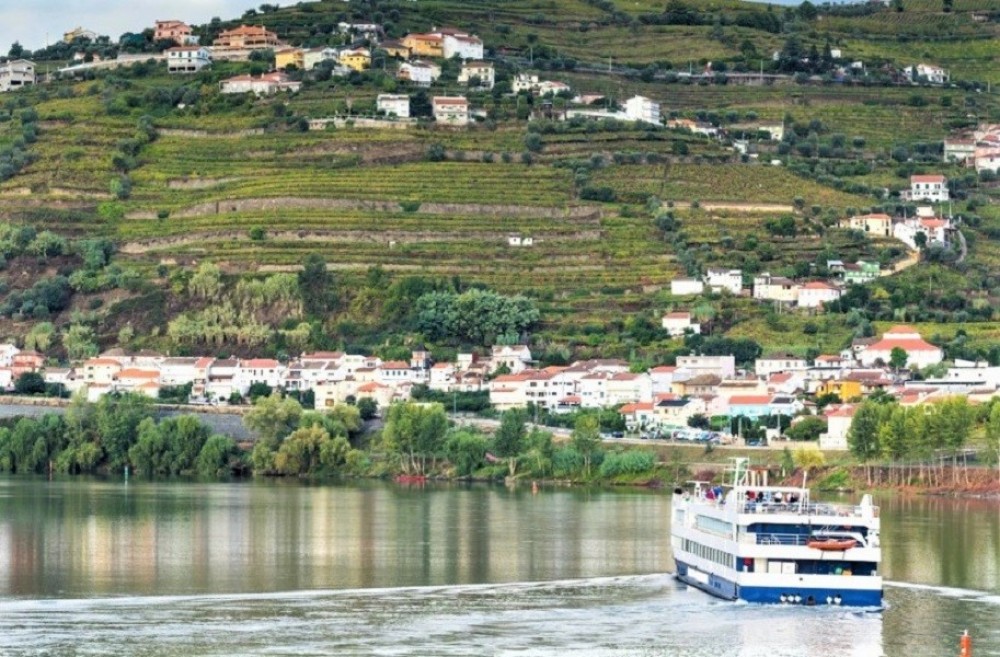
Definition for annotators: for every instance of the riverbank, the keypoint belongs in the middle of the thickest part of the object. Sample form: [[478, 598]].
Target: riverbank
[[947, 481]]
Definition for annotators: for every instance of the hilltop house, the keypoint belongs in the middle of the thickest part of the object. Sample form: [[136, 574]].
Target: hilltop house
[[177, 31], [419, 72], [187, 59], [16, 74], [450, 110], [679, 323], [247, 37], [933, 188], [477, 69], [397, 105], [79, 33]]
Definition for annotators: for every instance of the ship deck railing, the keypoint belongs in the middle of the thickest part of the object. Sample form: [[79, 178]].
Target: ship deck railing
[[811, 509], [782, 539]]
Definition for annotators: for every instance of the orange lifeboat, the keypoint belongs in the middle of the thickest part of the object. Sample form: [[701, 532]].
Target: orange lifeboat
[[831, 543]]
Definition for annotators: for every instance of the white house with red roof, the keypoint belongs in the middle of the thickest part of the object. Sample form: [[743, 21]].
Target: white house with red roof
[[919, 353], [933, 188], [677, 324], [509, 391], [397, 371], [816, 293], [838, 418], [141, 381], [450, 110], [936, 231], [638, 415]]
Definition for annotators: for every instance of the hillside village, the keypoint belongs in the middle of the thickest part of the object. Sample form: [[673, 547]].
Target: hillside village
[[693, 394], [676, 401]]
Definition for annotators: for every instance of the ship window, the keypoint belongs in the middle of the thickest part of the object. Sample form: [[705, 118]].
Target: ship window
[[714, 526]]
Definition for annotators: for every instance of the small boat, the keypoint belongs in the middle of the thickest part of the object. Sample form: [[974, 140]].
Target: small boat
[[411, 479], [831, 543]]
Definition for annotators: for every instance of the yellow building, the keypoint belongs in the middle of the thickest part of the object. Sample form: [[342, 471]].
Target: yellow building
[[290, 57], [845, 390], [395, 49], [358, 60], [425, 45]]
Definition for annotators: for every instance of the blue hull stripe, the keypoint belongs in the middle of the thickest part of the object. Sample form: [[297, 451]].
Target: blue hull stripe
[[728, 590]]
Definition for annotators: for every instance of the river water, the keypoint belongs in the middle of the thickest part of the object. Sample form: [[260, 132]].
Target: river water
[[284, 568]]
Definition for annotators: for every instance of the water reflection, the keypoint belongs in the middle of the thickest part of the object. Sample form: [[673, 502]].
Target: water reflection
[[75, 538], [66, 540]]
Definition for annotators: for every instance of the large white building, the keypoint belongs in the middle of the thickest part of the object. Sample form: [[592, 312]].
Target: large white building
[[640, 108], [816, 293], [16, 74], [465, 46], [397, 105], [187, 59], [729, 280]]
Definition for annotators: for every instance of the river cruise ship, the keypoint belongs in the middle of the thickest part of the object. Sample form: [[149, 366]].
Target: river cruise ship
[[772, 544]]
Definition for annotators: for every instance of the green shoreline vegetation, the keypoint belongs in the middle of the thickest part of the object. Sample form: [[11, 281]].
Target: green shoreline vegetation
[[920, 448]]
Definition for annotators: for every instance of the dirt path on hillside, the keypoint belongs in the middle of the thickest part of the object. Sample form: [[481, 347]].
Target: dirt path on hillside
[[141, 247], [912, 258], [741, 207]]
